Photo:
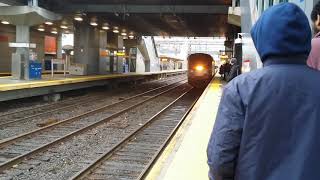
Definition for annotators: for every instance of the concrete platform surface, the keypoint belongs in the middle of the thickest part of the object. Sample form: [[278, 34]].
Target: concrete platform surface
[[185, 157], [7, 83]]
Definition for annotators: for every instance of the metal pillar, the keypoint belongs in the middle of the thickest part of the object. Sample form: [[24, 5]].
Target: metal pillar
[[22, 36], [120, 59], [115, 43], [86, 47], [104, 59], [32, 2], [59, 46], [17, 16]]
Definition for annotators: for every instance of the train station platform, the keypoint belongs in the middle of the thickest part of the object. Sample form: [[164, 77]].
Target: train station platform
[[3, 74], [185, 156], [16, 89]]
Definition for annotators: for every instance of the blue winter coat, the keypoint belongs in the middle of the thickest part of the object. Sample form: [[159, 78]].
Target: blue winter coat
[[268, 122]]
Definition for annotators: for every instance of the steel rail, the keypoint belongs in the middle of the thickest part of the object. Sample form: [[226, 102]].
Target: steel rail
[[28, 109], [87, 170], [68, 120], [154, 159], [84, 101], [19, 158]]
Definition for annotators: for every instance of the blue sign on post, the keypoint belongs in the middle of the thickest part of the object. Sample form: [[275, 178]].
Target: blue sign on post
[[35, 70]]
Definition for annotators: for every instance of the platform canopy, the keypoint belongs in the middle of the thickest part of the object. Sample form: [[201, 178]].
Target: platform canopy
[[27, 15], [152, 17]]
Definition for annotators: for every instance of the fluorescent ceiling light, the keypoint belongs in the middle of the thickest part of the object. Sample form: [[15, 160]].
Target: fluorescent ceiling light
[[54, 31], [78, 17], [123, 32], [115, 30], [49, 23], [131, 35], [93, 23], [105, 26], [5, 22], [63, 26], [41, 29]]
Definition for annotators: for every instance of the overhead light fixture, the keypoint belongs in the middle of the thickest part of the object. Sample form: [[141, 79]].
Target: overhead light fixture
[[5, 22], [66, 31], [115, 29], [124, 32], [41, 28], [93, 22], [131, 35], [54, 31], [64, 26], [49, 23], [105, 26], [78, 17]]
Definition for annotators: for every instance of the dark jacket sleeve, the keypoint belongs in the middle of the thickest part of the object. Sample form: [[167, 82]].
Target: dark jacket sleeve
[[226, 136], [233, 72]]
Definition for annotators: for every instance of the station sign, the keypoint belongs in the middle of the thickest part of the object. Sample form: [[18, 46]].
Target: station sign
[[22, 45], [224, 56], [50, 45], [121, 53], [104, 53]]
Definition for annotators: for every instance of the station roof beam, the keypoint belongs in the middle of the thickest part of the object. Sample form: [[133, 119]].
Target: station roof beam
[[178, 9], [154, 17]]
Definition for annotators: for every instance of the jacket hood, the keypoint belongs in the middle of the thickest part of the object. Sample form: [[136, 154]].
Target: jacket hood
[[282, 31]]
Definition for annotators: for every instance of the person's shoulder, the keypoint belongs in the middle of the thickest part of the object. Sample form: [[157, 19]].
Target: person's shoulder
[[245, 80], [249, 76]]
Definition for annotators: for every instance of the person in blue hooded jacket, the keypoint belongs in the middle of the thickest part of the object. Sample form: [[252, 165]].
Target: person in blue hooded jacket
[[268, 122]]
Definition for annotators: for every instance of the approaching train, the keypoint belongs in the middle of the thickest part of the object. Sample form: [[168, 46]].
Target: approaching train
[[201, 69]]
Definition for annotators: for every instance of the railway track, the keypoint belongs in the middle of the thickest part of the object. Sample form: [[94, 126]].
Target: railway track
[[134, 155], [16, 149], [31, 113], [29, 124]]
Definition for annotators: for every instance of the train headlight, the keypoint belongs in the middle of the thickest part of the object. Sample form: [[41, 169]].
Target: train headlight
[[199, 68]]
